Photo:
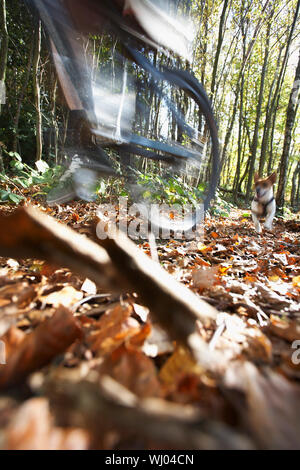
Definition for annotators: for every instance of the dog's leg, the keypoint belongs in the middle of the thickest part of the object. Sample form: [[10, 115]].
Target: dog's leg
[[256, 223], [268, 221], [270, 216]]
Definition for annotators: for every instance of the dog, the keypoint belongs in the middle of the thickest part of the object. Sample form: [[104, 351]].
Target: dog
[[263, 204]]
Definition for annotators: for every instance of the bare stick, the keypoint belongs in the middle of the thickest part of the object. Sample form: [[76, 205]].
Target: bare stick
[[172, 425], [118, 266]]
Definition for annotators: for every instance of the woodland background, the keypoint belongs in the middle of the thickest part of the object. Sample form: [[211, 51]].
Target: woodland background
[[246, 54]]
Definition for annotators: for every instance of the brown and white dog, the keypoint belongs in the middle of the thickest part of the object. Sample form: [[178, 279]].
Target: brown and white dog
[[263, 204]]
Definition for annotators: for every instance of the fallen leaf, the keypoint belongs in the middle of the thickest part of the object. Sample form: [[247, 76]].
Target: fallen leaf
[[133, 369], [113, 328], [50, 338], [32, 428], [180, 364], [204, 277], [286, 329], [67, 296], [141, 311], [296, 281], [89, 287]]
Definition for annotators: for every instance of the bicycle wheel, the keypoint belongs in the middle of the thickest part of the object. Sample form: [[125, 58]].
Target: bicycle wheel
[[170, 152]]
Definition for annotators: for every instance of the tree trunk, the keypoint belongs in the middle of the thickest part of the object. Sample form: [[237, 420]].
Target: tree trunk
[[290, 120], [3, 63], [241, 111], [267, 124], [20, 100], [4, 50], [294, 185], [53, 117], [298, 193], [37, 94], [219, 45], [258, 113]]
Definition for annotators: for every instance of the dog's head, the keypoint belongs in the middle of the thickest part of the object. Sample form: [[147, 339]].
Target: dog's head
[[262, 185]]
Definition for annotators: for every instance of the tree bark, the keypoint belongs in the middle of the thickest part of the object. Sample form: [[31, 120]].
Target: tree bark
[[290, 120], [218, 51], [267, 124], [37, 93], [3, 62], [241, 110], [295, 179], [4, 49], [258, 113], [20, 100]]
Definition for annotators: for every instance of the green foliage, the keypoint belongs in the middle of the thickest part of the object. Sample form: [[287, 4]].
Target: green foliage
[[220, 207], [151, 187], [23, 178], [168, 189]]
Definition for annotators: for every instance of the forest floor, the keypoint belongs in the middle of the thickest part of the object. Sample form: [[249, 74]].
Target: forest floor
[[252, 398]]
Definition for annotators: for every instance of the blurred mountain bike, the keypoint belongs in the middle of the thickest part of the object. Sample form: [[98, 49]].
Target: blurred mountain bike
[[141, 113]]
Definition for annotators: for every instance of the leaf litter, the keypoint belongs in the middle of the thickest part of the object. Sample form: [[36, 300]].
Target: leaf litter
[[63, 333]]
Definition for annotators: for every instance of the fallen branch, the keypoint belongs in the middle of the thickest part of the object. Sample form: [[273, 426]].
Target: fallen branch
[[29, 233], [118, 266], [112, 405], [175, 306]]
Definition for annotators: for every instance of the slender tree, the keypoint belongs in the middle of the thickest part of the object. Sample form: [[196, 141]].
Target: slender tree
[[258, 110], [21, 99], [3, 62], [290, 120], [37, 91], [219, 45], [4, 47]]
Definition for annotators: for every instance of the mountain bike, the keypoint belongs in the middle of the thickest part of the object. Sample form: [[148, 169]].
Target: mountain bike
[[109, 132]]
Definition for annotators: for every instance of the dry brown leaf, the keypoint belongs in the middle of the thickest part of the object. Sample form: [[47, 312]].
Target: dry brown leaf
[[204, 277], [20, 294], [158, 342], [67, 296], [133, 369], [89, 287], [50, 338], [286, 329], [48, 269], [32, 428], [12, 338], [179, 365], [214, 235], [113, 328]]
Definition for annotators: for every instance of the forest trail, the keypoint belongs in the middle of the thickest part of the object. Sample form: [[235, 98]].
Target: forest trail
[[249, 400]]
